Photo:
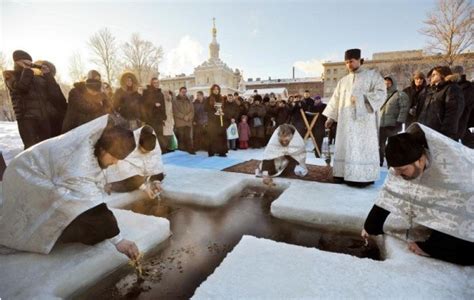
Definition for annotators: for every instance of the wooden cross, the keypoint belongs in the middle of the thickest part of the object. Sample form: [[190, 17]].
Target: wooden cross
[[309, 129]]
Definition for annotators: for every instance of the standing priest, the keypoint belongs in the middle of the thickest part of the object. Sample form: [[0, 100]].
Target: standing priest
[[354, 105]]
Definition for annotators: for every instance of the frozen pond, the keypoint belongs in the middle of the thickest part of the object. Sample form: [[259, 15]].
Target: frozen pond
[[201, 239]]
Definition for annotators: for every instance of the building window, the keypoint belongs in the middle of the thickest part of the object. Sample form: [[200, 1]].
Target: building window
[[328, 71], [335, 71], [335, 80], [207, 79]]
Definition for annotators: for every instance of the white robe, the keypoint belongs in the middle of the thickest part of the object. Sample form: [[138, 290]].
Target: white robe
[[48, 185], [356, 156], [137, 163], [442, 198], [275, 151]]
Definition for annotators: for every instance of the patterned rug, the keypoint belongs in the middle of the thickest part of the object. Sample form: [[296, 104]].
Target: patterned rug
[[315, 173]]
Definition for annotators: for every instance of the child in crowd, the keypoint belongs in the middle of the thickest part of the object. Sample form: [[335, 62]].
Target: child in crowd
[[244, 133], [232, 135]]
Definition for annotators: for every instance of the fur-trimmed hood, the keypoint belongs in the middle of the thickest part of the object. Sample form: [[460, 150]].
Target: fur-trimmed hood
[[123, 79], [453, 78]]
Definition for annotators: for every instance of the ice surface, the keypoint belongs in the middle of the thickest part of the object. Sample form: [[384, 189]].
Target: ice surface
[[265, 269], [70, 267], [256, 268]]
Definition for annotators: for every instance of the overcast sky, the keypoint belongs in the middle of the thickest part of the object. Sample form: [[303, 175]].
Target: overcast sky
[[262, 38]]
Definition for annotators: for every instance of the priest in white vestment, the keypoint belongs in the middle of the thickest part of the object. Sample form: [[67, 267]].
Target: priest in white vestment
[[142, 169], [54, 191], [430, 183], [354, 105], [285, 150]]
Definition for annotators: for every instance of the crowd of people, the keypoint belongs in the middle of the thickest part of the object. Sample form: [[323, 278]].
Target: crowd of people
[[197, 122], [97, 128]]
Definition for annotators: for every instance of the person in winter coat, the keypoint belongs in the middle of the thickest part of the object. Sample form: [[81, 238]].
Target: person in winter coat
[[318, 131], [283, 113], [467, 117], [154, 111], [444, 103], [36, 97], [168, 127], [231, 109], [270, 118], [416, 91], [183, 112], [200, 138], [296, 118], [257, 114], [393, 114], [86, 102], [244, 133], [56, 98], [217, 134], [127, 101]]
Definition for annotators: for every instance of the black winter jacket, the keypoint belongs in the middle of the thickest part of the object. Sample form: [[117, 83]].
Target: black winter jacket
[[442, 107]]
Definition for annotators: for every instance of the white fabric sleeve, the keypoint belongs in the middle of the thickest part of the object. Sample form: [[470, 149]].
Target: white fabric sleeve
[[116, 239]]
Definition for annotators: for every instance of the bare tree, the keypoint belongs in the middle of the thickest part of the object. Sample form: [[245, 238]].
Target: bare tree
[[449, 29], [142, 57], [76, 67], [6, 108], [105, 54]]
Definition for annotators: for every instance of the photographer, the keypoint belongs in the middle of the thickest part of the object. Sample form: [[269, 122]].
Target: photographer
[[36, 98]]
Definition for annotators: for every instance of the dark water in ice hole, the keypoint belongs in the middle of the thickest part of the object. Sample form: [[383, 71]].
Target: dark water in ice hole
[[201, 239]]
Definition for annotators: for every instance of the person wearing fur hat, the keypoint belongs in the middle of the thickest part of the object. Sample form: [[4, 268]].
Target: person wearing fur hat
[[427, 186], [443, 104], [127, 101], [354, 106], [37, 99], [86, 101]]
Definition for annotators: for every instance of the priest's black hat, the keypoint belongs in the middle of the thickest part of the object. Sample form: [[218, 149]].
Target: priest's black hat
[[403, 149], [147, 138], [352, 54], [117, 141]]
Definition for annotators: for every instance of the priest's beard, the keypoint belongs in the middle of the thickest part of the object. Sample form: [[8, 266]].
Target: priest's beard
[[415, 174]]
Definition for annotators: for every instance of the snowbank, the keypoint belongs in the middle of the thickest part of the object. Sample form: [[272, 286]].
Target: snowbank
[[10, 141], [264, 269]]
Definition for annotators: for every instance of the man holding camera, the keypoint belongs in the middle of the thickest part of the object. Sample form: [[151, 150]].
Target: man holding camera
[[32, 97]]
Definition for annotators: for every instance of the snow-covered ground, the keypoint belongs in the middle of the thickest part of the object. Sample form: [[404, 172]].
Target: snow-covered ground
[[265, 269], [255, 268], [10, 141]]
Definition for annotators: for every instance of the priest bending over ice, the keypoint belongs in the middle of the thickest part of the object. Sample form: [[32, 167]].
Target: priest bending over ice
[[429, 183], [142, 169], [285, 151], [54, 191]]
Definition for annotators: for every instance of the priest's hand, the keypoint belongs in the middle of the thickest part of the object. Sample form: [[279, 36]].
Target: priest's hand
[[365, 235], [108, 188], [328, 123], [154, 188], [128, 248], [267, 180]]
